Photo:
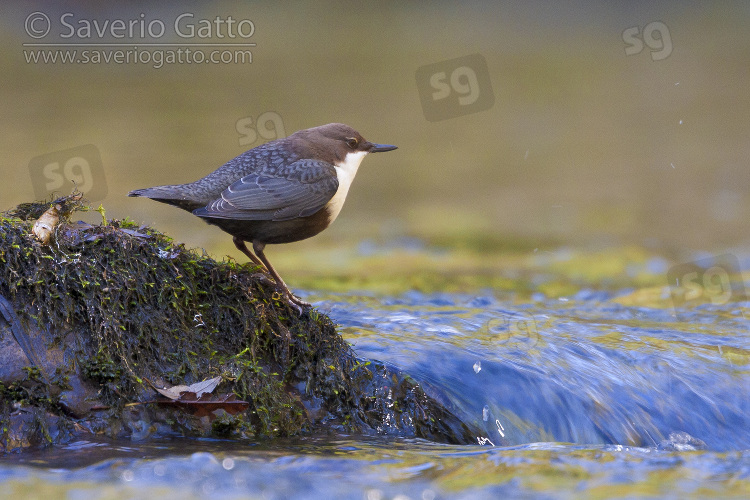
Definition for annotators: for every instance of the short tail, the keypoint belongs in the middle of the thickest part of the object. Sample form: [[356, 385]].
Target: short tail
[[140, 192], [172, 195]]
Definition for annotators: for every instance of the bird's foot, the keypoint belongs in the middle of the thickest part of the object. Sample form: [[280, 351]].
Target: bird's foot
[[282, 290], [296, 300], [298, 304]]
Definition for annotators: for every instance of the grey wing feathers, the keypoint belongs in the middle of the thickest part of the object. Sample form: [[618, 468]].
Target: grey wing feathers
[[296, 190]]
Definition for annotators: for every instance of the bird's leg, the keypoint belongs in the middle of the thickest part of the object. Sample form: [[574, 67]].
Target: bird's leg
[[243, 248], [240, 244], [258, 248]]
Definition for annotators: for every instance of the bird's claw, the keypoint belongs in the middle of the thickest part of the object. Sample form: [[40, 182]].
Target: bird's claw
[[296, 307], [297, 303]]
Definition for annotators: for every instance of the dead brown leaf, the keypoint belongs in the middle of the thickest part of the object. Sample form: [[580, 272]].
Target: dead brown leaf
[[204, 405], [197, 389], [45, 225]]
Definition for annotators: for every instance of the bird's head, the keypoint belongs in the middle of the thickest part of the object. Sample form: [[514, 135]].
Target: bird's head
[[335, 142]]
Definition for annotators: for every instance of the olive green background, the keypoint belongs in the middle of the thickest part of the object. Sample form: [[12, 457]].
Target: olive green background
[[584, 145]]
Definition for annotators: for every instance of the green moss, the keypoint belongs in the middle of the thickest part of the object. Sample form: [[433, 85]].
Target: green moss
[[141, 310], [30, 391], [142, 307], [101, 368]]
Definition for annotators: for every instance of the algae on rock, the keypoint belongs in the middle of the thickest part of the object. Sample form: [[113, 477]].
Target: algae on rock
[[114, 309]]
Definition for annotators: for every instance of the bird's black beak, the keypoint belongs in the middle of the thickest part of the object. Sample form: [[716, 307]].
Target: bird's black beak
[[380, 148]]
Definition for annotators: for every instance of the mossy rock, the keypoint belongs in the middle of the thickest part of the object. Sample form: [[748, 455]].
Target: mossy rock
[[100, 315]]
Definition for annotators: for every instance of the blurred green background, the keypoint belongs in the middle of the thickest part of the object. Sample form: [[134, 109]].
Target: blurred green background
[[584, 146]]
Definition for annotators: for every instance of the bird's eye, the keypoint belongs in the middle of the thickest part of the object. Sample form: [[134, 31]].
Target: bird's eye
[[352, 142]]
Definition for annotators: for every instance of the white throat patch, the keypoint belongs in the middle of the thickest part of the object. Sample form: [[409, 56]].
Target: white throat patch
[[345, 173]]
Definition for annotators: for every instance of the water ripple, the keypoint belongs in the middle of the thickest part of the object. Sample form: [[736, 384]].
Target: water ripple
[[581, 371]]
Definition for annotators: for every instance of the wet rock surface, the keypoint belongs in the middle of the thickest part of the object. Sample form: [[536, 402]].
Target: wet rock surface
[[98, 316]]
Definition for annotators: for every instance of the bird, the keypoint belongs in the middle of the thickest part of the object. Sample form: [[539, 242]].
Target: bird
[[283, 191]]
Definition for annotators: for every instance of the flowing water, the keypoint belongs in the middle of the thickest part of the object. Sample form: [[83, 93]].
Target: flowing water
[[577, 394], [578, 398]]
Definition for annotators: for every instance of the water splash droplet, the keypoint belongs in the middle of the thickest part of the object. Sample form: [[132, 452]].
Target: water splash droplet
[[500, 428]]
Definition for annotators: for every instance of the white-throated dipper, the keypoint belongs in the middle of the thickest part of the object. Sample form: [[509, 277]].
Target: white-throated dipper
[[283, 191]]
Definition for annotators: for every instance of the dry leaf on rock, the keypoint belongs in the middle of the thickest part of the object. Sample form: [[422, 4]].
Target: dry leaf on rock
[[207, 404], [198, 388], [45, 225]]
